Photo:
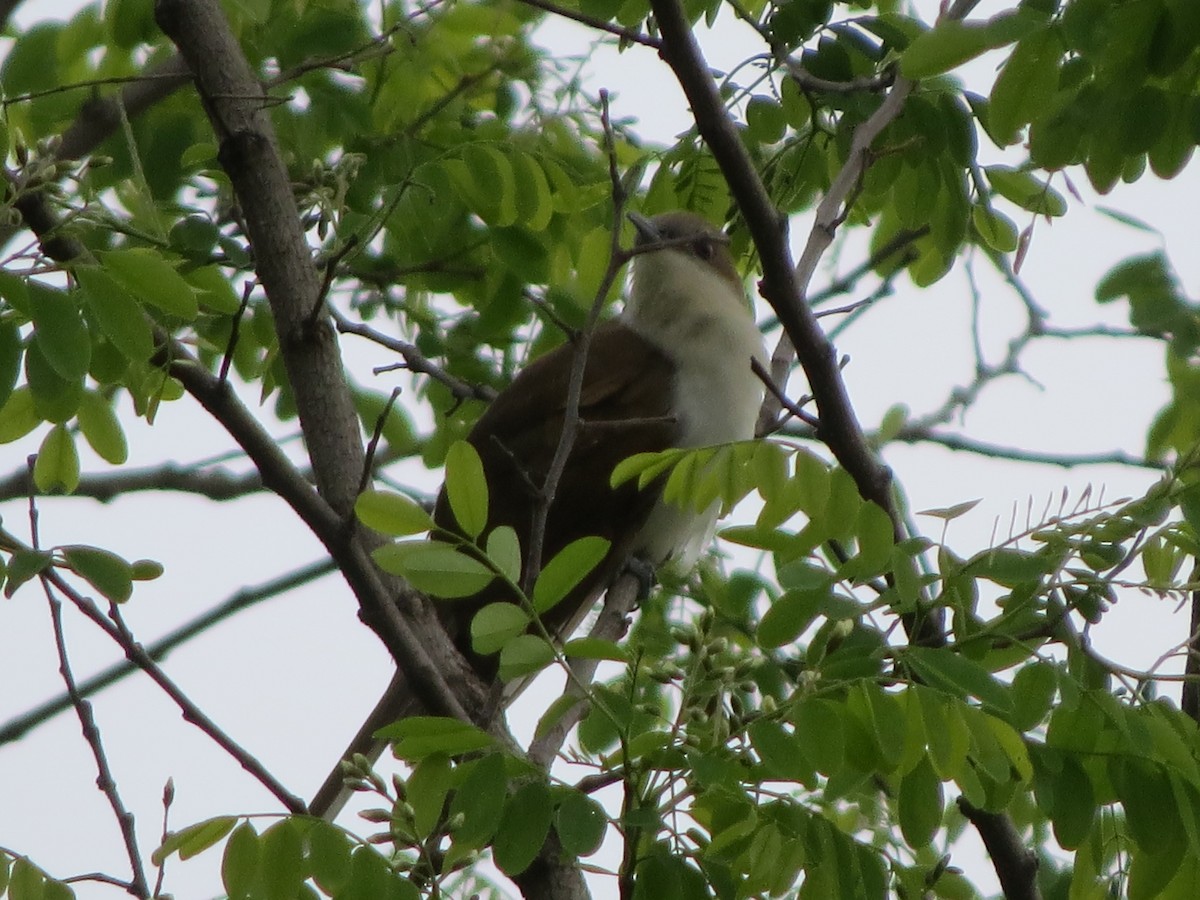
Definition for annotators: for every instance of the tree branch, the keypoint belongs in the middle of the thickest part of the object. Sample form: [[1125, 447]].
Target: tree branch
[[236, 105], [784, 286], [215, 484]]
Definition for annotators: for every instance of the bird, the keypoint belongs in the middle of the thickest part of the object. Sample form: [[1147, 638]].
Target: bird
[[673, 370]]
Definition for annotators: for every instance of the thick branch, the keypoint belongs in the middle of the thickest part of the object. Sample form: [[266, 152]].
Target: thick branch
[[1015, 863], [236, 105], [781, 286]]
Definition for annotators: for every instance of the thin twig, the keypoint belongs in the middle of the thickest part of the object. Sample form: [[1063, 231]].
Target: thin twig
[[373, 444], [105, 781], [627, 34], [414, 359], [114, 626], [234, 329], [786, 402]]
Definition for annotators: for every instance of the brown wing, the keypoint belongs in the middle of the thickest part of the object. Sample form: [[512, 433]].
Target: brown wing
[[625, 408]]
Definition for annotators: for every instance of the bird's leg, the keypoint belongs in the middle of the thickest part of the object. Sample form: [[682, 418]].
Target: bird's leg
[[645, 573]]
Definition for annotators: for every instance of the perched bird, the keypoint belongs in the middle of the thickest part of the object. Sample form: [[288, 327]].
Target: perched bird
[[673, 370]]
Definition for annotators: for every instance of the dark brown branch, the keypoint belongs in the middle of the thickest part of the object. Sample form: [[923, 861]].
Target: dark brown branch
[[627, 34], [1016, 865], [783, 285], [1190, 700]]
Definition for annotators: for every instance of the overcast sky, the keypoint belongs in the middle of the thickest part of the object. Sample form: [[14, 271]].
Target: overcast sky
[[315, 671]]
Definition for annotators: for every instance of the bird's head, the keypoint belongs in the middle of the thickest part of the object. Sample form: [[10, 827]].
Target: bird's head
[[691, 275]]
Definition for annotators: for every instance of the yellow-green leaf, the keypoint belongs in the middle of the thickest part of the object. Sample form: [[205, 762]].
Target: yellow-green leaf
[[119, 316], [466, 488], [103, 570], [149, 276], [57, 465], [102, 429]]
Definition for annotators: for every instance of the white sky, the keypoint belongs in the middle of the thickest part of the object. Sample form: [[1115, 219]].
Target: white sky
[[314, 671]]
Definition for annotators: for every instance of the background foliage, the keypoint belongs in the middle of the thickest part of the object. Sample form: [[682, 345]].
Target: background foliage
[[767, 728]]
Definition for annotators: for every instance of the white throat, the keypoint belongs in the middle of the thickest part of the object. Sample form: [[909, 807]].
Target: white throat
[[702, 322]]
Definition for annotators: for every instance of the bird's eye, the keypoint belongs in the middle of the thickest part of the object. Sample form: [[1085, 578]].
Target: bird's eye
[[703, 249]]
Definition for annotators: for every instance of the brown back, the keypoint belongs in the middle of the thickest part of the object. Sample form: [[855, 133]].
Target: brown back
[[625, 408]]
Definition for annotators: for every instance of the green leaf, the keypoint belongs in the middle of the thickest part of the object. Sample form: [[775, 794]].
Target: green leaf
[[645, 466], [535, 201], [194, 839], [57, 465], [1147, 117], [951, 512], [434, 568], [119, 316], [788, 616], [101, 428], [949, 738], [524, 655], [239, 865], [822, 733], [466, 488], [952, 43], [480, 801], [145, 569], [280, 861], [1073, 805], [765, 120], [504, 551], [1026, 191], [418, 736], [876, 538], [152, 279], [566, 570], [996, 230], [390, 513], [1026, 85], [781, 752], [580, 822], [1033, 689], [920, 805], [18, 416], [22, 566], [11, 350], [495, 625], [213, 291], [523, 828], [105, 571], [329, 856], [26, 882], [426, 791], [55, 399], [958, 676], [61, 332]]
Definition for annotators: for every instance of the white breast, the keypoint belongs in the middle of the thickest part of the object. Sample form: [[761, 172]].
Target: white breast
[[698, 319]]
